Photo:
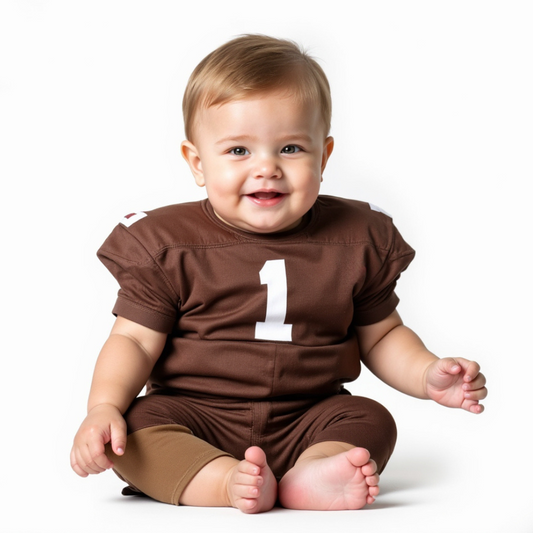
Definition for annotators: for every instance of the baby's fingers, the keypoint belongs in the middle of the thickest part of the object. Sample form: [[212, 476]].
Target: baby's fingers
[[89, 459], [118, 437], [476, 383], [473, 407], [75, 466], [475, 391], [97, 459], [82, 463], [471, 370]]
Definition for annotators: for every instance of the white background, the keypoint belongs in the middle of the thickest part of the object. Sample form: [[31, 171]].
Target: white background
[[433, 122]]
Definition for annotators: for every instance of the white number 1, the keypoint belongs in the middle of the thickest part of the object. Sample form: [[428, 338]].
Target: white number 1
[[274, 276]]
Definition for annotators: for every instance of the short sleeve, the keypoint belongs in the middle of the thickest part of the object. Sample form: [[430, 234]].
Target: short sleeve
[[145, 295], [386, 259]]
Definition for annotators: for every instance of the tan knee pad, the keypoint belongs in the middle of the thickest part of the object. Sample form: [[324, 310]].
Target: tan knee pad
[[160, 461]]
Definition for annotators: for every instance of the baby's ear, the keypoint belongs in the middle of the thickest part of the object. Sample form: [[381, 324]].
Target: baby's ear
[[328, 148], [190, 154]]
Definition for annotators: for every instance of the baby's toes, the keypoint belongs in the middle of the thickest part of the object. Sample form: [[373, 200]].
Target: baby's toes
[[246, 491], [246, 467], [251, 492], [256, 456], [247, 505], [372, 481], [248, 480], [373, 491], [359, 457], [370, 469]]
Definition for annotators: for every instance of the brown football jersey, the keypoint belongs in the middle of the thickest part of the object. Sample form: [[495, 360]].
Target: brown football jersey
[[256, 315]]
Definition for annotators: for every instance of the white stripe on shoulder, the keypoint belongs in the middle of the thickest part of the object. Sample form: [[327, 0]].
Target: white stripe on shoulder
[[130, 219], [378, 209]]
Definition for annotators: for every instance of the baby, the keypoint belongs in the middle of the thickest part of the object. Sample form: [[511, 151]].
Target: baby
[[246, 313]]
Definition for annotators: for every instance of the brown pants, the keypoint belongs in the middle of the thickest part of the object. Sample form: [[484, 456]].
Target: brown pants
[[172, 437]]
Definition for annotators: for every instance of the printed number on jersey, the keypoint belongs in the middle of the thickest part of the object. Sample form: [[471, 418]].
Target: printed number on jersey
[[274, 276]]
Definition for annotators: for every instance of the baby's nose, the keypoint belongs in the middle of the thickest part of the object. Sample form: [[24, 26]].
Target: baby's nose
[[267, 167]]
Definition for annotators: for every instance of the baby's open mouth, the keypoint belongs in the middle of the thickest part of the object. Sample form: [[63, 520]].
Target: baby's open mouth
[[266, 198], [263, 195]]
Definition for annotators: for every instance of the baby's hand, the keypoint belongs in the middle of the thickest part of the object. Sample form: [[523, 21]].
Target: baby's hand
[[456, 383], [103, 424]]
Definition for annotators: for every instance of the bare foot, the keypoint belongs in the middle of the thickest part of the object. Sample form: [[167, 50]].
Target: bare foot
[[251, 485], [344, 481]]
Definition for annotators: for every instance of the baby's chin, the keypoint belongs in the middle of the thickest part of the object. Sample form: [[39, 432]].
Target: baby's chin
[[262, 228]]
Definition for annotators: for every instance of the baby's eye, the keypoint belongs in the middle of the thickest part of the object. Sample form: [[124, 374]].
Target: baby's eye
[[290, 149], [239, 150]]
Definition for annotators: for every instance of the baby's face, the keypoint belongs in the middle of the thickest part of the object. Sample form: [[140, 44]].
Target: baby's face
[[261, 160]]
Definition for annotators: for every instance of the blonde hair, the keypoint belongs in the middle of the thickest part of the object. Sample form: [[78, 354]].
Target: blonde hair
[[253, 64]]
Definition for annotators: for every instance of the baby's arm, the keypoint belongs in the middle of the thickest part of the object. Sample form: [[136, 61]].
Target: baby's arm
[[121, 371], [397, 356]]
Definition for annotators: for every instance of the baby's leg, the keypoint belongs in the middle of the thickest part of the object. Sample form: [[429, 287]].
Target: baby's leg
[[160, 461], [330, 476], [171, 465], [248, 485], [350, 441]]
